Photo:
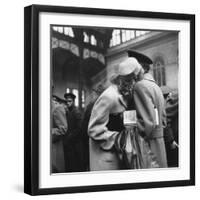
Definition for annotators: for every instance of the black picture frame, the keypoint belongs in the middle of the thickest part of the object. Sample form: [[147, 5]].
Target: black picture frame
[[31, 98]]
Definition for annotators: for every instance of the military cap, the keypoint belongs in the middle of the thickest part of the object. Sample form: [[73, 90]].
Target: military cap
[[140, 57], [58, 99], [70, 95]]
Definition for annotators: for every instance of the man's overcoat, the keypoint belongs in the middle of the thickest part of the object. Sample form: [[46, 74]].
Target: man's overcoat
[[149, 100], [59, 129]]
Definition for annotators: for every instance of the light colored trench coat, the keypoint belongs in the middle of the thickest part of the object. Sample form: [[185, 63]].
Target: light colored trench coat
[[148, 97], [59, 129], [102, 154]]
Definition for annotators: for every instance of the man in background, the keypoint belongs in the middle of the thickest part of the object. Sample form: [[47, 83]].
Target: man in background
[[59, 129], [73, 146], [171, 129]]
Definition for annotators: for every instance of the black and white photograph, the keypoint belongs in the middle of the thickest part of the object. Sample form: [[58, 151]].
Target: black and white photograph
[[100, 100], [109, 97], [114, 99]]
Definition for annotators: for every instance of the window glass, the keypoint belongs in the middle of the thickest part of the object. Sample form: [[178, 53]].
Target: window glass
[[60, 29], [121, 36], [75, 92], [83, 98], [86, 37], [68, 31], [138, 33], [128, 35], [55, 28], [67, 90], [159, 71], [116, 37], [132, 33], [93, 40]]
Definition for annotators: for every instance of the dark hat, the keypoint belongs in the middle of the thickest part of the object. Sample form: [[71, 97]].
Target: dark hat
[[140, 57], [71, 95], [58, 99]]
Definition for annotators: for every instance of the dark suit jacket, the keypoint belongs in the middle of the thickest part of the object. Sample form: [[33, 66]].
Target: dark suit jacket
[[73, 145]]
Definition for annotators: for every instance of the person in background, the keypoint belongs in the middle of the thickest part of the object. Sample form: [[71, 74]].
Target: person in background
[[73, 146], [150, 108], [106, 120], [59, 129], [60, 101], [171, 129], [86, 117]]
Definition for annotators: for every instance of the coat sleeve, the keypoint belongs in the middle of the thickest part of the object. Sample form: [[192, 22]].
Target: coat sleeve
[[97, 128], [60, 123], [145, 111]]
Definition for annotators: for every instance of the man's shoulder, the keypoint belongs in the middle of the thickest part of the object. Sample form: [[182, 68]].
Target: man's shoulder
[[141, 85], [111, 91], [59, 108], [108, 94]]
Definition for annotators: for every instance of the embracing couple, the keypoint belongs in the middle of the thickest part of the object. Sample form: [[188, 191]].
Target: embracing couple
[[132, 88]]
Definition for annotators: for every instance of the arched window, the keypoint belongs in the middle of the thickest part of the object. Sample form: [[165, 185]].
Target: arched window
[[159, 71]]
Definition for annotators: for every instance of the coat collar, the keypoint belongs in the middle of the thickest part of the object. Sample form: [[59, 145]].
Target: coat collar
[[120, 97], [122, 101], [149, 77]]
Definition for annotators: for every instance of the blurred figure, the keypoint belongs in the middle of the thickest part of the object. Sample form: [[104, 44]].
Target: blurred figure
[[87, 113], [171, 129], [59, 129], [73, 146], [60, 101], [106, 120], [150, 108]]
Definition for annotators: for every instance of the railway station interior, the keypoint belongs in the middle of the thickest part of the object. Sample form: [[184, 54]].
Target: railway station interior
[[84, 58]]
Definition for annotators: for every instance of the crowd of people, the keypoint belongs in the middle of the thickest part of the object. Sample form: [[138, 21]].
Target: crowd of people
[[101, 139]]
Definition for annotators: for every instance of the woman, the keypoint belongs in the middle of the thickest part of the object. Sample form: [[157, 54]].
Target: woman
[[106, 120]]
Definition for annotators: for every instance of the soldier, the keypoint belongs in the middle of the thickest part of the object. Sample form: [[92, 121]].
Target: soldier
[[150, 108], [73, 146], [171, 130]]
